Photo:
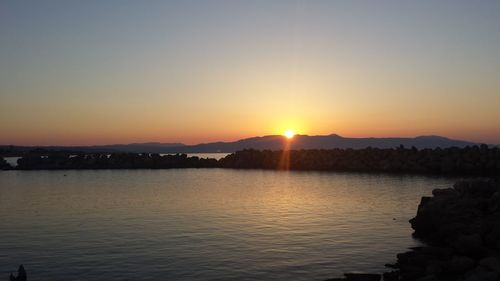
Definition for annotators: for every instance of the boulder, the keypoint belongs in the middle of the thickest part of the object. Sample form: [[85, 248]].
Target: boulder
[[362, 277], [21, 274], [491, 264], [480, 274], [469, 244]]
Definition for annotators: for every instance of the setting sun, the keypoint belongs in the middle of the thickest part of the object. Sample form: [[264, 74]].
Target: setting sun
[[289, 133]]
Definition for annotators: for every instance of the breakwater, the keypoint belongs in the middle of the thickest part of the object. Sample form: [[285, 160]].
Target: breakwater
[[474, 160]]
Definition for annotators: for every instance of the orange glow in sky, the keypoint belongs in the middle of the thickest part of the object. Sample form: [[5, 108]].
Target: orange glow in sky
[[171, 71]]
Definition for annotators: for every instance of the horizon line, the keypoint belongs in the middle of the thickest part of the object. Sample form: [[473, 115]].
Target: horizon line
[[245, 138]]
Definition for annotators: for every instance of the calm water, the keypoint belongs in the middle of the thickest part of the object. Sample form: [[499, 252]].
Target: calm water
[[204, 224]]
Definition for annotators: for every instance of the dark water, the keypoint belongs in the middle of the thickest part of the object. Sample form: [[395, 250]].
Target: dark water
[[204, 224]]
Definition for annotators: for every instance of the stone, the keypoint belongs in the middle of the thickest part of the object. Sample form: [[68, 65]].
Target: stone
[[439, 252], [459, 264], [21, 274], [428, 278], [480, 274], [445, 192], [362, 277], [491, 263], [469, 244], [391, 276]]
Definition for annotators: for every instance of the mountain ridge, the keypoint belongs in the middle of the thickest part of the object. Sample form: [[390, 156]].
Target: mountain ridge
[[268, 142], [277, 142]]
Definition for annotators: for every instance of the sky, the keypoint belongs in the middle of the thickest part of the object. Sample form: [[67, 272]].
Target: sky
[[102, 72]]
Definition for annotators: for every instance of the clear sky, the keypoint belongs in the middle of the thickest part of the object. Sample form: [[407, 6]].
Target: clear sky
[[97, 72]]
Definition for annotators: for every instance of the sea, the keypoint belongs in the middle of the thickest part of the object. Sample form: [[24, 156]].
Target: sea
[[205, 224]]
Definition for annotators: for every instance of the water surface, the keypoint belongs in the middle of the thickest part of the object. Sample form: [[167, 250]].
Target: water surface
[[204, 224]]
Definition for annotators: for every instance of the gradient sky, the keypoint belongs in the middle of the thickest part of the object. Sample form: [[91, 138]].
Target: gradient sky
[[98, 72]]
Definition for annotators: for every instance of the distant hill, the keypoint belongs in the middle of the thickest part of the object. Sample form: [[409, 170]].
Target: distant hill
[[273, 142], [151, 147], [276, 142]]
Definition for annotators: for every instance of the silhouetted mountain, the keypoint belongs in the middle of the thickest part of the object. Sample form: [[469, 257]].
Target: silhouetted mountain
[[151, 147], [273, 142], [277, 142]]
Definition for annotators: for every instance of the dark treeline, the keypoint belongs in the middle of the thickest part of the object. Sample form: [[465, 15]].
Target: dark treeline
[[112, 161], [473, 160]]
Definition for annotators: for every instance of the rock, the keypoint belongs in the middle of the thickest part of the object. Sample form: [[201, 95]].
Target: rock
[[459, 264], [491, 263], [362, 277], [428, 278], [4, 165], [404, 257], [438, 252], [480, 274], [435, 267], [494, 202], [448, 231], [411, 272], [420, 259], [469, 244], [445, 192], [391, 276], [21, 274]]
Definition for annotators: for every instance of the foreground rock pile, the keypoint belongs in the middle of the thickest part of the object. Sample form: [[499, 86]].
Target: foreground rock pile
[[461, 225]]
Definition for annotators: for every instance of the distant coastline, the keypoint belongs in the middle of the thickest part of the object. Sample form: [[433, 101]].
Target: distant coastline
[[271, 142]]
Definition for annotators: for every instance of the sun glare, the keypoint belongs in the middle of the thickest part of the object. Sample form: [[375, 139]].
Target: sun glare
[[289, 134]]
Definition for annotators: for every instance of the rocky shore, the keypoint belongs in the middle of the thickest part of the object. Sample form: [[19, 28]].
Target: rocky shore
[[461, 229]]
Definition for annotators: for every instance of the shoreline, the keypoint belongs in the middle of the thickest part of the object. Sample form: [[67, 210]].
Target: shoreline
[[460, 229]]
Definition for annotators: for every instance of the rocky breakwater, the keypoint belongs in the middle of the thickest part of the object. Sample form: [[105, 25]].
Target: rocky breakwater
[[4, 165], [461, 227]]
